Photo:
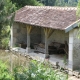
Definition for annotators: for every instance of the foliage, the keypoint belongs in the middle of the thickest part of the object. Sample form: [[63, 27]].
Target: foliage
[[59, 2], [39, 71], [5, 37], [21, 3], [48, 2], [4, 72], [35, 71], [78, 9], [5, 42], [66, 3], [72, 3], [6, 8], [78, 16]]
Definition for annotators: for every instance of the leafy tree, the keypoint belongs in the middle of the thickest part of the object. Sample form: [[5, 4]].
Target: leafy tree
[[72, 3], [6, 8], [48, 2], [78, 9], [60, 3], [21, 3]]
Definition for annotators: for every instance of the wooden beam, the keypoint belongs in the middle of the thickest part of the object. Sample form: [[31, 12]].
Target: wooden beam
[[48, 32], [29, 29]]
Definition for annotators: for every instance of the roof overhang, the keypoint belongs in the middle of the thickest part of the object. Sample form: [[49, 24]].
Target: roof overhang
[[72, 26]]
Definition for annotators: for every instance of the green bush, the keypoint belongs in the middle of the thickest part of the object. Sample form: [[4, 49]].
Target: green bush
[[35, 71], [4, 72], [5, 42], [5, 37], [38, 71]]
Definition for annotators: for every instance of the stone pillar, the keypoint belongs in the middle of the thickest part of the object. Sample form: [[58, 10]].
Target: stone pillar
[[28, 41], [70, 65], [11, 41]]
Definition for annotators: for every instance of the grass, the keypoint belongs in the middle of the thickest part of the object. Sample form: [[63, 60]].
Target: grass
[[13, 59], [23, 68]]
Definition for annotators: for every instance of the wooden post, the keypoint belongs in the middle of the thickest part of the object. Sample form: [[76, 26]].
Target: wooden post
[[48, 33], [46, 43], [29, 28]]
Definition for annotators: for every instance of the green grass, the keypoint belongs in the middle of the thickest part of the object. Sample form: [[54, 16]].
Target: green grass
[[17, 67]]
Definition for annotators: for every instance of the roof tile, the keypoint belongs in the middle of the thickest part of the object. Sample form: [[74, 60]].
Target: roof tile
[[46, 16]]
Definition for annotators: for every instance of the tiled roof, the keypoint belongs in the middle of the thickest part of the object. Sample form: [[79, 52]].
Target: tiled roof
[[46, 16]]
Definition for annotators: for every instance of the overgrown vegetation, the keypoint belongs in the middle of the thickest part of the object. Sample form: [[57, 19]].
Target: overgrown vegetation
[[59, 2], [22, 3], [5, 37], [4, 72], [6, 8], [35, 71]]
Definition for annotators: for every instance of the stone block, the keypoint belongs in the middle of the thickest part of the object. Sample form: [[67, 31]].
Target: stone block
[[14, 40], [71, 40], [14, 31], [76, 40], [71, 46], [15, 35]]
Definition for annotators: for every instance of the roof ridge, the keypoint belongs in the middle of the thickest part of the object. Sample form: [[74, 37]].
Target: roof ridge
[[54, 7]]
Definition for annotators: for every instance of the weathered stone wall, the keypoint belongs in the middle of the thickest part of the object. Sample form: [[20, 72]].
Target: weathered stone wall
[[35, 35], [20, 34], [57, 36], [76, 49]]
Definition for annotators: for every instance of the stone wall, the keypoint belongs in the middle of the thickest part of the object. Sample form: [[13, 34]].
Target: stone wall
[[20, 34], [76, 50], [35, 35]]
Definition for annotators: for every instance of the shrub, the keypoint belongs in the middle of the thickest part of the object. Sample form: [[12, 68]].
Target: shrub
[[5, 42], [4, 72], [5, 37], [39, 71]]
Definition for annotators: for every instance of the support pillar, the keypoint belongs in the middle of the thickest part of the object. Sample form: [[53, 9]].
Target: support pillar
[[46, 43], [11, 41], [48, 33], [29, 29], [70, 59], [46, 46]]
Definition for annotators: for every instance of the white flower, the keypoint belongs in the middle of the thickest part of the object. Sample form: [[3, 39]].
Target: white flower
[[33, 75]]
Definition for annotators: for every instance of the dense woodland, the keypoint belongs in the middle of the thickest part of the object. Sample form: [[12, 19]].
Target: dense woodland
[[59, 2], [21, 3]]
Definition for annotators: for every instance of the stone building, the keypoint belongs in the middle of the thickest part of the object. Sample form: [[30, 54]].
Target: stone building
[[39, 24]]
